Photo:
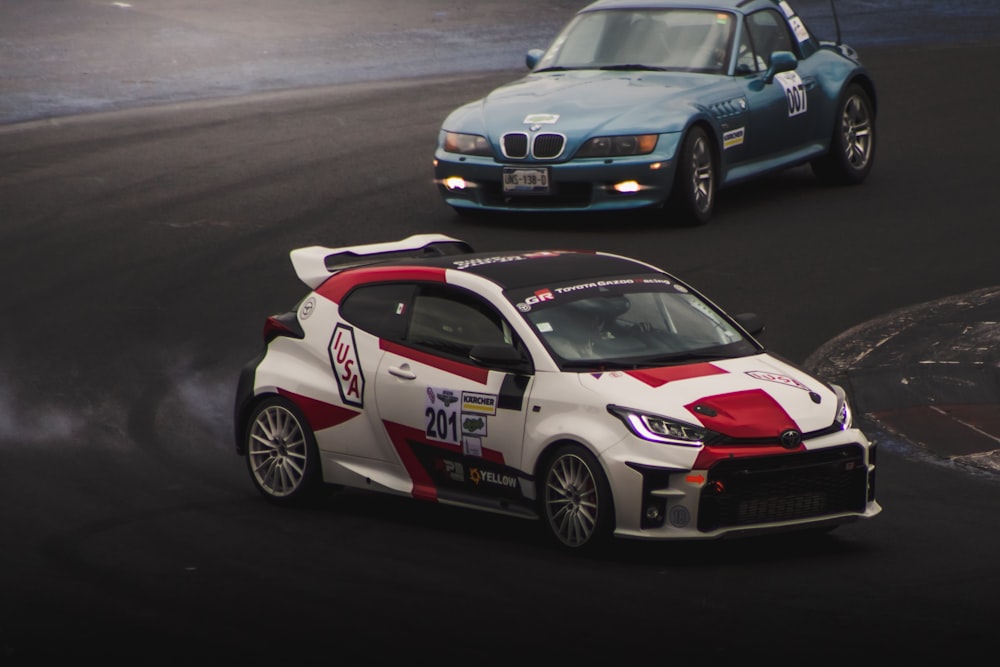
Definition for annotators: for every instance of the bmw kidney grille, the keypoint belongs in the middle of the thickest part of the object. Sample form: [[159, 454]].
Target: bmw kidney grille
[[544, 146]]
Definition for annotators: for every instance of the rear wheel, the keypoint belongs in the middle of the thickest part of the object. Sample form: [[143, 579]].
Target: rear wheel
[[281, 453], [576, 499], [852, 146], [697, 178]]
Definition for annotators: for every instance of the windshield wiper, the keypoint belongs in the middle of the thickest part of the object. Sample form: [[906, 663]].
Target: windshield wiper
[[600, 365], [682, 357], [634, 66]]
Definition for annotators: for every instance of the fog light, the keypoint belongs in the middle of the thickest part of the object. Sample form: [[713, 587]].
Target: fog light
[[626, 187], [652, 512], [455, 183]]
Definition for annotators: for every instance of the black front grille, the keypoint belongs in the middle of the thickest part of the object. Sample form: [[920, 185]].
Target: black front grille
[[515, 145], [545, 146], [548, 146], [767, 489]]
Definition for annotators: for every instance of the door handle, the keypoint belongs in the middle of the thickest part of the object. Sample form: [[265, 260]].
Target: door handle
[[404, 372]]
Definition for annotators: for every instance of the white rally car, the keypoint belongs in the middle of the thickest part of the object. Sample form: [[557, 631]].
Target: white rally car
[[593, 391]]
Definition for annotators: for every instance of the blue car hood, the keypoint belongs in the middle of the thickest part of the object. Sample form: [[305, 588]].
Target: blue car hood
[[592, 102]]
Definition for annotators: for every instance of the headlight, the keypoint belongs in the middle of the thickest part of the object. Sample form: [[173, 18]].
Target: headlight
[[660, 429], [467, 144], [628, 144], [844, 417]]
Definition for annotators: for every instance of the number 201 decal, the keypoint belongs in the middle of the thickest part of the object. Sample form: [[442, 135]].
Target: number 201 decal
[[441, 415]]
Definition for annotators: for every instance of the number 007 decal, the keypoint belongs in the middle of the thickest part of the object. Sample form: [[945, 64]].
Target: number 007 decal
[[344, 358]]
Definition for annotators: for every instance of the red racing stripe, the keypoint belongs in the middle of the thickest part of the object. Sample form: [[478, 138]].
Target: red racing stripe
[[319, 414], [656, 377], [743, 414], [402, 436], [340, 284], [467, 371]]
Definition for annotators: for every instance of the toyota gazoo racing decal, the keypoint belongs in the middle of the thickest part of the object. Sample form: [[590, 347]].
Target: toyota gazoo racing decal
[[500, 259], [540, 297]]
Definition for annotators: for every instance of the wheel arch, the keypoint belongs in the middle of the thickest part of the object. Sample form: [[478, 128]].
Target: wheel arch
[[245, 401], [866, 84], [548, 453], [242, 414]]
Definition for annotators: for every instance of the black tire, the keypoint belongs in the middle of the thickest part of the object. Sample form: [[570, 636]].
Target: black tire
[[281, 453], [852, 145], [697, 179], [576, 503]]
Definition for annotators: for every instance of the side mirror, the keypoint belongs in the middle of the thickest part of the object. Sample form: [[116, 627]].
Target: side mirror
[[781, 61], [752, 322], [501, 357], [532, 58]]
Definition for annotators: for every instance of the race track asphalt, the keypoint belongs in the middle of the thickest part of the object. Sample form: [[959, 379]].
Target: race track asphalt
[[927, 375]]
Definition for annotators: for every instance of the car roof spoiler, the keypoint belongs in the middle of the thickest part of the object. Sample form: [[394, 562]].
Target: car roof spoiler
[[314, 264]]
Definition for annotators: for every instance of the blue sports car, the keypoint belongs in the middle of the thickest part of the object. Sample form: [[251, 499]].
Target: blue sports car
[[660, 104]]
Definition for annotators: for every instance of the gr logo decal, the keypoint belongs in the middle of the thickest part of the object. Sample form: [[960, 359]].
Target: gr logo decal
[[344, 359]]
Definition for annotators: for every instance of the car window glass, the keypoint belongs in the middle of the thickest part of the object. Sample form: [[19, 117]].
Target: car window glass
[[379, 309], [747, 59], [769, 33], [642, 321], [452, 321], [675, 39]]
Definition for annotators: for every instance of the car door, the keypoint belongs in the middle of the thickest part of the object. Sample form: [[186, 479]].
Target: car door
[[457, 426], [781, 120]]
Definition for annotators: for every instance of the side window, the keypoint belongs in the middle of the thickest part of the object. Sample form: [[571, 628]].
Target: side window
[[379, 309], [450, 321], [747, 60], [769, 33]]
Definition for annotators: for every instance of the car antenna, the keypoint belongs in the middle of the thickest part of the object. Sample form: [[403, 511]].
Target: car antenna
[[836, 21]]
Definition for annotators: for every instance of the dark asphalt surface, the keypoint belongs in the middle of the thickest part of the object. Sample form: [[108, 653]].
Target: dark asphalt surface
[[927, 375], [144, 248]]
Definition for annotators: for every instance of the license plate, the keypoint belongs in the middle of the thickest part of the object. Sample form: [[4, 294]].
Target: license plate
[[526, 180]]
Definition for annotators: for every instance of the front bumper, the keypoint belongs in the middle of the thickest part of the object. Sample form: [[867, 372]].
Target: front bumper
[[577, 185], [832, 481]]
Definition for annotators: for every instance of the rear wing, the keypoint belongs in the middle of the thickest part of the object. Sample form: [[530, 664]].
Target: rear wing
[[313, 265]]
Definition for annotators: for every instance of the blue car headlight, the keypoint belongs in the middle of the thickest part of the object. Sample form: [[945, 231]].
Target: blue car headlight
[[466, 144], [656, 428], [628, 144]]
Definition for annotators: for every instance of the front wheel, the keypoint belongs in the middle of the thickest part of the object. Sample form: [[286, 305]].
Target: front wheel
[[852, 146], [576, 499], [696, 181], [281, 453]]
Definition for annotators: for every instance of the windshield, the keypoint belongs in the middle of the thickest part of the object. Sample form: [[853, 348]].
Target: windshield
[[689, 40], [628, 322]]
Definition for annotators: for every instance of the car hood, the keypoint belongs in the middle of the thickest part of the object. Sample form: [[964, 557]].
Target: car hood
[[750, 397], [590, 102]]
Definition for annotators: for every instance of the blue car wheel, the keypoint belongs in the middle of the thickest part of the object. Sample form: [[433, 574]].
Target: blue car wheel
[[694, 190], [852, 146]]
